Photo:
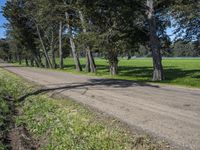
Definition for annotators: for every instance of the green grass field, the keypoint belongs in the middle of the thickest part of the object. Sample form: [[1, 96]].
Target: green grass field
[[184, 72]]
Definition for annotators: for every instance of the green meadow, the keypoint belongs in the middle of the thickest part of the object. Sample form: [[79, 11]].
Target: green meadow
[[178, 71]]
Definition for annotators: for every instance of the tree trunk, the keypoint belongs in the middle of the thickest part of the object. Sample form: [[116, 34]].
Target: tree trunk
[[26, 60], [113, 68], [74, 52], [158, 74], [43, 47], [38, 61], [32, 62], [113, 62], [87, 65], [20, 60], [91, 60], [90, 63], [60, 47], [46, 63], [54, 65]]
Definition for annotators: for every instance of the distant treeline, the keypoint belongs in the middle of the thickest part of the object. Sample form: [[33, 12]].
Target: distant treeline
[[179, 48]]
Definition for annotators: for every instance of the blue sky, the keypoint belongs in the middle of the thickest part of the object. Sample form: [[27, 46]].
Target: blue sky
[[2, 19]]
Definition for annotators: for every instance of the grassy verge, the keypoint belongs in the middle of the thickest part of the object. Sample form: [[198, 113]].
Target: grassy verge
[[10, 86], [60, 124], [4, 111]]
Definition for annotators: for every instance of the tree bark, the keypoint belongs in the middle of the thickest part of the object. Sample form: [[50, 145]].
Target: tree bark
[[158, 73], [46, 63], [90, 63], [60, 47], [113, 68], [87, 65], [74, 52], [20, 60], [26, 60], [43, 47], [37, 60], [32, 62], [113, 62], [54, 65]]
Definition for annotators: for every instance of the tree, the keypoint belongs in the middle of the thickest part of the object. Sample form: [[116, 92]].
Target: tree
[[20, 30], [69, 15], [90, 63], [154, 43]]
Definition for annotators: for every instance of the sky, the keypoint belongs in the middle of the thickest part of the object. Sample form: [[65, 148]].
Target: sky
[[2, 19]]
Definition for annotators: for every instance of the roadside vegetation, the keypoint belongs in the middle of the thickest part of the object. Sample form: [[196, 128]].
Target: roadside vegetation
[[56, 123]]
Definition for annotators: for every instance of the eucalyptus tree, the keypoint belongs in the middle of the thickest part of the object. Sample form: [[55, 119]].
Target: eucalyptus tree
[[184, 14], [46, 27], [90, 63], [71, 20], [20, 29], [113, 24]]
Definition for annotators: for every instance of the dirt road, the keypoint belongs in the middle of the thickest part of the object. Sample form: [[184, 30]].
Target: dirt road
[[169, 112]]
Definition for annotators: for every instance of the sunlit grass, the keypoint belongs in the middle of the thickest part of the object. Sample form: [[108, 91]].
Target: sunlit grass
[[177, 71]]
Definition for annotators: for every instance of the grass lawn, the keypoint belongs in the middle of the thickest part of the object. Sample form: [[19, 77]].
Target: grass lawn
[[184, 72], [60, 124]]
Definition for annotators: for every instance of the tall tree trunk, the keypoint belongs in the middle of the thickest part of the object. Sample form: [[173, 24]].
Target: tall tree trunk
[[32, 62], [158, 73], [46, 63], [53, 57], [113, 67], [38, 61], [113, 62], [43, 47], [74, 52], [60, 47], [87, 65], [90, 63], [91, 60], [54, 65], [26, 60], [20, 59]]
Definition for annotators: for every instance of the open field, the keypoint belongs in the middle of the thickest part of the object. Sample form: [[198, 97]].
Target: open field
[[184, 72], [57, 124]]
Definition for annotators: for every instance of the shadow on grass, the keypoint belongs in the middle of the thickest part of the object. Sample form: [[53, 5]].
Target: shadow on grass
[[144, 74]]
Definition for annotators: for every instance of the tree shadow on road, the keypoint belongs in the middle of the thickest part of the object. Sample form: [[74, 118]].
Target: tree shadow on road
[[97, 83]]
